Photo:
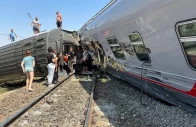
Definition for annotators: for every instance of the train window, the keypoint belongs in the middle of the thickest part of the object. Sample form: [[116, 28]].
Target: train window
[[139, 47], [187, 29], [113, 41], [190, 51], [116, 49], [128, 48], [187, 33], [135, 37], [118, 53]]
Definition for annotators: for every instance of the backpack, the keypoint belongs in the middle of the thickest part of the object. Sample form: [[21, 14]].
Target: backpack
[[65, 58]]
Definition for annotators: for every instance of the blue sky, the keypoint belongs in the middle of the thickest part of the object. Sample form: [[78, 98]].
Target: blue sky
[[14, 14]]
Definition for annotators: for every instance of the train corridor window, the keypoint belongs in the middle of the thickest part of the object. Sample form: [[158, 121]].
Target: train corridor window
[[139, 47], [116, 49], [187, 35]]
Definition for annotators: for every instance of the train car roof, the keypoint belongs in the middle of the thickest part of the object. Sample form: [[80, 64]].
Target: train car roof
[[101, 11], [43, 32]]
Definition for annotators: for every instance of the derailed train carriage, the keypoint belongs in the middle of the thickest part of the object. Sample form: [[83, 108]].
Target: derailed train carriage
[[150, 44], [11, 55]]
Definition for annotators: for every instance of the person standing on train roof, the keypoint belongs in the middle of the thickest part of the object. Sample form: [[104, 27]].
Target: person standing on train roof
[[12, 36], [59, 20], [36, 26], [51, 65], [28, 64]]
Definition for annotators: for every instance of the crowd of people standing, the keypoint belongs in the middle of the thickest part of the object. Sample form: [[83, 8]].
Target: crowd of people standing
[[57, 62]]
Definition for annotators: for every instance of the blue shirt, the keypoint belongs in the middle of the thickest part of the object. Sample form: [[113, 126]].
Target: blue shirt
[[28, 61], [12, 35]]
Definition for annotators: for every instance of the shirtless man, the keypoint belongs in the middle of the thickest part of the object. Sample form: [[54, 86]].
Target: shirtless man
[[59, 20]]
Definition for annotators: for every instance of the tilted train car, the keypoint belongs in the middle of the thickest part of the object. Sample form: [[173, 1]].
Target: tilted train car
[[151, 44], [11, 55]]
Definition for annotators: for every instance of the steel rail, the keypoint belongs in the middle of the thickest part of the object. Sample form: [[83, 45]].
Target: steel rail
[[12, 118], [89, 110]]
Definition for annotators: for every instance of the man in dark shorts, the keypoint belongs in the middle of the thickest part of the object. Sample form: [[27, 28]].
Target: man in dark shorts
[[59, 20], [36, 26]]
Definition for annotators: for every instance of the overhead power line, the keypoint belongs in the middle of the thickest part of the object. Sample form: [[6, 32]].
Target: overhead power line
[[8, 35]]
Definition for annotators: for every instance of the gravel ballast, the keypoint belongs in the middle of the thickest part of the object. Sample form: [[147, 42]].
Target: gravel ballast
[[12, 101], [64, 107], [117, 104]]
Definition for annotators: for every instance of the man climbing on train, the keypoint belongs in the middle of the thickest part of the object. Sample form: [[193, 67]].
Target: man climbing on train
[[12, 36], [59, 20], [36, 26]]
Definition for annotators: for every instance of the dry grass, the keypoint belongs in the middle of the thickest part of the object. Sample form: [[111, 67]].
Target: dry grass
[[3, 90]]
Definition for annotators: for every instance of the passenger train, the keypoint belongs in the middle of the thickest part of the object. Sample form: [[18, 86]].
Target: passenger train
[[11, 55], [149, 43]]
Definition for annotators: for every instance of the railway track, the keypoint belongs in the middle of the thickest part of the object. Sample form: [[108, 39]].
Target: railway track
[[115, 103], [88, 118], [20, 118], [12, 118], [105, 101], [63, 98]]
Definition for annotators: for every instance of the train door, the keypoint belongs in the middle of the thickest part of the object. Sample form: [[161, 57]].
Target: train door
[[65, 49]]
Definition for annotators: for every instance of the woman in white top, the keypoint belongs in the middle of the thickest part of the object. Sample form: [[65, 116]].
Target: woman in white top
[[36, 26]]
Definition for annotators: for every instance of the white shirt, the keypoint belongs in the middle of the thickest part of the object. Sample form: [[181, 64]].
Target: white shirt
[[35, 23], [54, 55]]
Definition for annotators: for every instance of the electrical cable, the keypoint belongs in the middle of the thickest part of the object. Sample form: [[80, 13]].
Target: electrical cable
[[141, 93], [8, 35]]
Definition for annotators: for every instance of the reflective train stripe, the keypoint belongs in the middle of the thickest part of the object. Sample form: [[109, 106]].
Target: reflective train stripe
[[192, 92]]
